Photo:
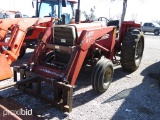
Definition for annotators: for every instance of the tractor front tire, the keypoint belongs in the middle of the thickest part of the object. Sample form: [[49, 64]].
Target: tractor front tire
[[102, 75], [132, 50], [156, 32]]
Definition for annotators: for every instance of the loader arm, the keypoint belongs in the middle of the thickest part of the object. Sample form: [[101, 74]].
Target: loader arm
[[5, 24], [33, 33], [75, 50], [18, 34], [87, 39]]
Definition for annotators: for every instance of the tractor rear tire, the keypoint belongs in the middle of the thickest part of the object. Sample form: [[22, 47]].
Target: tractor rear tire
[[132, 50], [102, 75]]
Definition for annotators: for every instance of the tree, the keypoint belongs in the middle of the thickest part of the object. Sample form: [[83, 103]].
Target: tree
[[91, 16], [123, 10]]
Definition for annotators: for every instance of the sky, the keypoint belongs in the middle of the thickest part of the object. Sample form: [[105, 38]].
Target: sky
[[144, 10], [147, 10], [24, 6]]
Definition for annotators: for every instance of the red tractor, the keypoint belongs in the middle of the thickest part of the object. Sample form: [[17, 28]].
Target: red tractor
[[63, 50]]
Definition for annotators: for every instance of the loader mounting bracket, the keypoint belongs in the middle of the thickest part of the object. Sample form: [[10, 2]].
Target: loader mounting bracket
[[62, 92]]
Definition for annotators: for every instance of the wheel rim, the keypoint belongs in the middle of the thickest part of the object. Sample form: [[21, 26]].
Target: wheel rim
[[156, 32], [108, 76], [139, 51]]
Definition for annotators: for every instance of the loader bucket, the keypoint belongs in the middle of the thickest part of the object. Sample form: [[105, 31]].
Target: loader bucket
[[5, 70]]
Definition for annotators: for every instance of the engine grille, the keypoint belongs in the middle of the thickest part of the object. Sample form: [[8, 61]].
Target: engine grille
[[64, 35]]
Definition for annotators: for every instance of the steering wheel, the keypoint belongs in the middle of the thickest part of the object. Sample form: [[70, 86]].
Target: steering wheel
[[101, 19]]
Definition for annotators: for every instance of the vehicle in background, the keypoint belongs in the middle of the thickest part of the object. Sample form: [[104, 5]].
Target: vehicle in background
[[56, 9], [12, 14], [2, 15], [20, 15], [151, 27]]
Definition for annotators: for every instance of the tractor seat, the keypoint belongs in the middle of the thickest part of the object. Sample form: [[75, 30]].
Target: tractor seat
[[113, 23]]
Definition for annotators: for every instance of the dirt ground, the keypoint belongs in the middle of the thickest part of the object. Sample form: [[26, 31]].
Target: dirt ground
[[131, 96]]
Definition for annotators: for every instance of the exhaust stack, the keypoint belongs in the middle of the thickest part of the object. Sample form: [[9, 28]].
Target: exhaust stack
[[78, 13]]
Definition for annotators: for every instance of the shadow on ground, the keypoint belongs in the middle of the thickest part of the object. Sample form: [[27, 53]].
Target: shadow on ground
[[22, 60], [142, 101]]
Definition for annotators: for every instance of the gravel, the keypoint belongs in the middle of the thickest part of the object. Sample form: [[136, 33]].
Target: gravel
[[131, 96]]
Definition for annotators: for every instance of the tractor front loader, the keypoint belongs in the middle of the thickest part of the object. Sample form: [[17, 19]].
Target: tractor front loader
[[10, 50], [64, 49]]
